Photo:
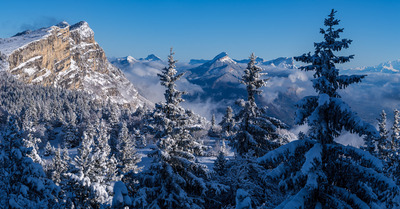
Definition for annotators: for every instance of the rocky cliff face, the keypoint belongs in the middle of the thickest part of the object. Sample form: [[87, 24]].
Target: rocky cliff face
[[68, 57]]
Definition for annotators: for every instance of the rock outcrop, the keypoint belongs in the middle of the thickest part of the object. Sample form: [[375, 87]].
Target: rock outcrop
[[68, 57]]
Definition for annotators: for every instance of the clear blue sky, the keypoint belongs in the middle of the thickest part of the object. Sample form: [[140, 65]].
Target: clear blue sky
[[202, 29]]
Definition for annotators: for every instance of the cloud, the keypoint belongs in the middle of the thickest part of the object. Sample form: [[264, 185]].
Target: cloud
[[40, 22]]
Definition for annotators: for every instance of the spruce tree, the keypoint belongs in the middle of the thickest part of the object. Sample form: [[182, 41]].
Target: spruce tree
[[220, 164], [48, 150], [394, 149], [228, 122], [383, 139], [128, 158], [79, 185], [316, 171], [255, 130], [213, 132], [32, 142], [174, 178], [59, 166]]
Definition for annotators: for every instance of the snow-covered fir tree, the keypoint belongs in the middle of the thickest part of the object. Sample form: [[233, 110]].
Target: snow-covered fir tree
[[23, 183], [395, 137], [59, 166], [48, 150], [79, 190], [140, 139], [33, 142], [394, 149], [70, 138], [174, 179], [316, 171], [228, 123], [383, 139], [127, 157], [255, 130], [104, 167], [213, 131], [220, 164]]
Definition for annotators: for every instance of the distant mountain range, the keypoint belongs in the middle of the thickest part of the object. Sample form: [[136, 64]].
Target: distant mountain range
[[386, 67], [214, 84]]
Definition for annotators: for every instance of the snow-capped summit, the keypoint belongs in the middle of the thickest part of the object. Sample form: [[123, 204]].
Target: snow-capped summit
[[218, 72], [67, 56], [222, 57], [281, 62], [85, 32], [130, 59], [151, 57], [63, 24]]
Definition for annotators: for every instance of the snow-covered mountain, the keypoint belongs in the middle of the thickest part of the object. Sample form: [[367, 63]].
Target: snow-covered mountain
[[386, 67], [67, 56], [213, 84], [281, 62], [220, 72]]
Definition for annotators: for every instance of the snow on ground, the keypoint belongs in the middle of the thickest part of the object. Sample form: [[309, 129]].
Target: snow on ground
[[9, 45]]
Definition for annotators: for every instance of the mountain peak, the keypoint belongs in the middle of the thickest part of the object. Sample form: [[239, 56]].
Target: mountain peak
[[151, 57], [62, 24], [83, 29], [220, 56]]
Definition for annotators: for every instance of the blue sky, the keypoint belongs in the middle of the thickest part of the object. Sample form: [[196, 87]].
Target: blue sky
[[202, 29]]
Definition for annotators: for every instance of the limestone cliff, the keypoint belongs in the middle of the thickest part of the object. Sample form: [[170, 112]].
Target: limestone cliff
[[68, 57]]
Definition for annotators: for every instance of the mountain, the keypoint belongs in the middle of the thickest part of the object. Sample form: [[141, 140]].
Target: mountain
[[220, 72], [386, 67], [215, 84], [67, 56], [151, 57], [281, 62]]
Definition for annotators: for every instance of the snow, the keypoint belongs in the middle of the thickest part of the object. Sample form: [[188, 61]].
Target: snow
[[83, 29], [121, 197], [313, 154], [28, 71], [9, 45], [276, 154], [40, 78], [323, 99], [243, 200]]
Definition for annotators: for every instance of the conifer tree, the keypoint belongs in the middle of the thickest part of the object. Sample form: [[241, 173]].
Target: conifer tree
[[383, 139], [174, 178], [394, 149], [23, 183], [32, 142], [228, 122], [70, 138], [128, 157], [59, 166], [317, 171], [140, 139], [213, 132], [79, 185], [256, 131], [220, 164], [48, 150]]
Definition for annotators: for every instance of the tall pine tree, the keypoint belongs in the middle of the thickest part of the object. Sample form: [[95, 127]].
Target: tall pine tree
[[174, 178], [256, 131], [317, 171]]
